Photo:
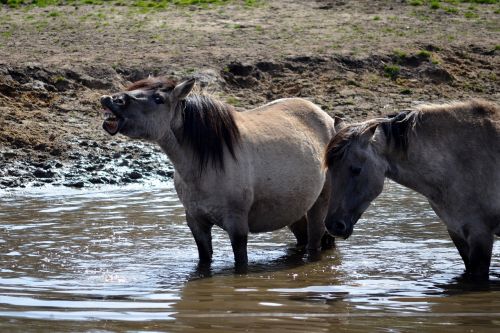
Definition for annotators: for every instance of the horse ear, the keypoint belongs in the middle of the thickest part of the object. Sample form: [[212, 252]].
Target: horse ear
[[339, 123], [369, 132], [183, 89]]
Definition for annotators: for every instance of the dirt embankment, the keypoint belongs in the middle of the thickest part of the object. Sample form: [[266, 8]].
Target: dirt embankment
[[356, 60]]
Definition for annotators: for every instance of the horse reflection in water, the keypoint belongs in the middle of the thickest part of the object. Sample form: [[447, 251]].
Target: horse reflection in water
[[448, 153], [253, 171]]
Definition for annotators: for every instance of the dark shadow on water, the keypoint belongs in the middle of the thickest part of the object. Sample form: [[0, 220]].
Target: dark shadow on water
[[293, 258], [465, 284]]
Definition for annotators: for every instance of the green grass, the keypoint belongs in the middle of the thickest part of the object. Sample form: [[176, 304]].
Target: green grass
[[424, 54], [450, 10], [147, 4], [435, 4], [234, 101], [7, 34], [470, 15], [392, 71], [400, 54]]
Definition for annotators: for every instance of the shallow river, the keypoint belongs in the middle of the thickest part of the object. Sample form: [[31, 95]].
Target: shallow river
[[123, 259]]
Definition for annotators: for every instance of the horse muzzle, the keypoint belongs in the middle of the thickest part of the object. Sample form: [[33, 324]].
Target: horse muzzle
[[339, 228]]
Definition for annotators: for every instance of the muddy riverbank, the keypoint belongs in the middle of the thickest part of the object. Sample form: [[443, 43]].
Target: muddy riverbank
[[355, 59]]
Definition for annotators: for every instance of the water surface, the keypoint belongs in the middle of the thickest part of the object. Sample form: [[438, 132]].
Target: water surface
[[123, 259]]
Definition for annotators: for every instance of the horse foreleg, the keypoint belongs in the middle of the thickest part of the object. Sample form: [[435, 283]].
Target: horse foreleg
[[480, 248], [202, 233], [315, 222], [237, 228], [299, 230], [462, 247], [474, 243]]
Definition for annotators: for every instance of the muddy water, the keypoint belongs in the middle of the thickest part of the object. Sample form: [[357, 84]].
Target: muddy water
[[124, 260]]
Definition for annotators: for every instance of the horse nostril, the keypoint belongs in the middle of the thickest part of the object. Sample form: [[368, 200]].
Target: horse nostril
[[339, 227]]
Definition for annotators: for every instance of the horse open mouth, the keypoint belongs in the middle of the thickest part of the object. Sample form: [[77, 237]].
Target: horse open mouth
[[112, 123]]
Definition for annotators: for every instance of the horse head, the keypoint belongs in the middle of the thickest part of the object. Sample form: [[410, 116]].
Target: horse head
[[357, 173], [146, 108]]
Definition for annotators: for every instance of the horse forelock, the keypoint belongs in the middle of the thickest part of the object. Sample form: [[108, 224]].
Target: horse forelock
[[340, 143], [207, 126], [152, 83]]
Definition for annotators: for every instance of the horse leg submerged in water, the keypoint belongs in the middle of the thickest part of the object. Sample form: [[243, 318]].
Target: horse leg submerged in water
[[475, 247], [310, 227]]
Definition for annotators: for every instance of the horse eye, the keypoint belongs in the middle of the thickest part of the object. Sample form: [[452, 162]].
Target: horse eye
[[158, 99], [121, 100], [355, 170]]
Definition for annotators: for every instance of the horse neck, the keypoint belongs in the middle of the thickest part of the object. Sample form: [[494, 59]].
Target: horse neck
[[180, 156], [415, 170]]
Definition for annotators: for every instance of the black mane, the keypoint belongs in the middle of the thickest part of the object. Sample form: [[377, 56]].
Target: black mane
[[207, 126], [399, 128]]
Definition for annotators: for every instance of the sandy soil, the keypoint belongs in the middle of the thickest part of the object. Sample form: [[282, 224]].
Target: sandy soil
[[356, 59]]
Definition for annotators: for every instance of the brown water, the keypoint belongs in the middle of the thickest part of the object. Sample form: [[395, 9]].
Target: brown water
[[124, 260]]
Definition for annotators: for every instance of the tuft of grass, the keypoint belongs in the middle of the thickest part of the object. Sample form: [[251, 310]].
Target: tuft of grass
[[253, 3], [416, 2], [7, 34], [376, 18], [450, 10], [392, 71], [234, 101], [424, 54], [58, 79], [400, 54], [470, 15], [435, 4], [405, 91]]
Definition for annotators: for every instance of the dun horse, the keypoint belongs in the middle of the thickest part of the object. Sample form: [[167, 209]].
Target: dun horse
[[448, 153], [252, 171]]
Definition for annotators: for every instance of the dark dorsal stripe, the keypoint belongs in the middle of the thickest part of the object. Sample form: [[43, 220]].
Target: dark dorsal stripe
[[208, 126]]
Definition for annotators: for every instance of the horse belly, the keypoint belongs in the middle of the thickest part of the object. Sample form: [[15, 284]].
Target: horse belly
[[272, 214]]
